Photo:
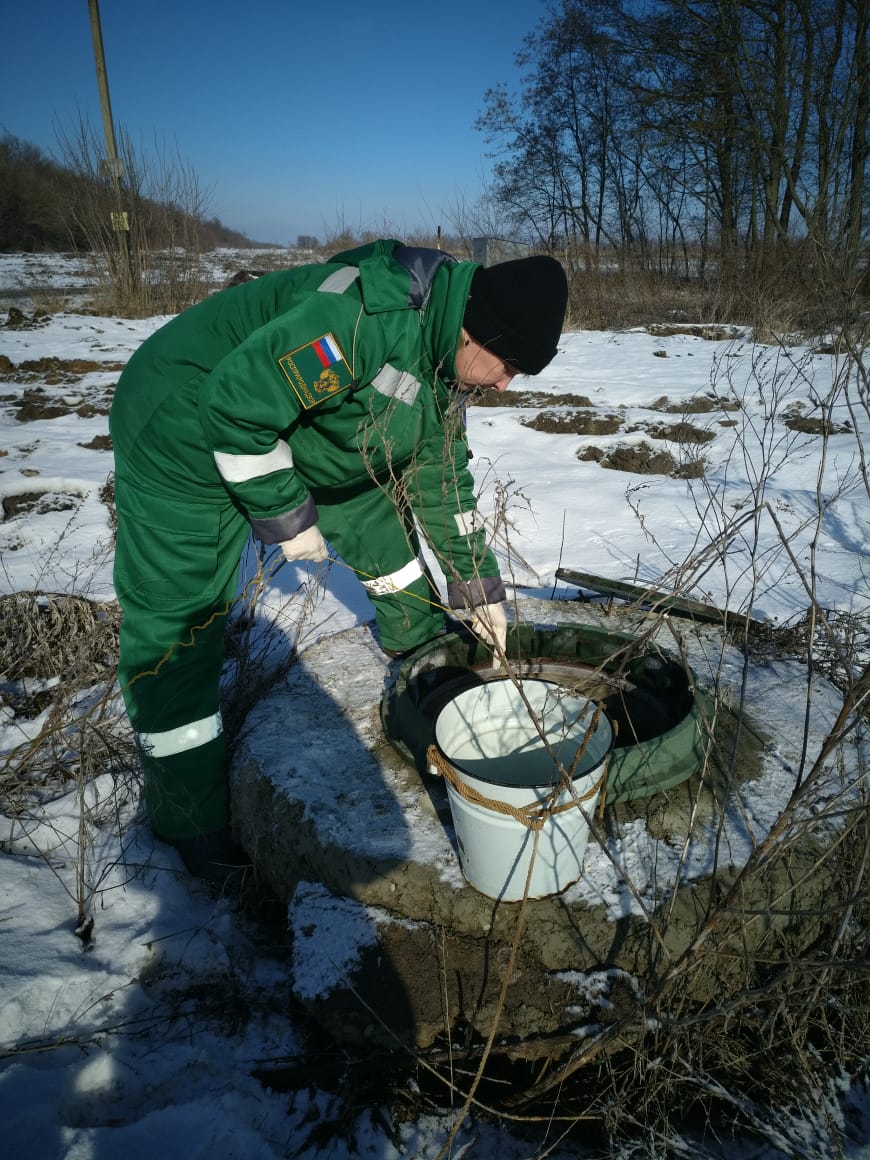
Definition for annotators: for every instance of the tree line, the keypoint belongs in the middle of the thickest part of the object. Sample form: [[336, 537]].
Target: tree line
[[706, 138], [47, 205]]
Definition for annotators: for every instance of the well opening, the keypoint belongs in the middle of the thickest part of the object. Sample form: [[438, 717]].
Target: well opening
[[651, 698]]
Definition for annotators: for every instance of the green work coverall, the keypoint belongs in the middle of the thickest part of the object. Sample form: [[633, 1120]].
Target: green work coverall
[[316, 394]]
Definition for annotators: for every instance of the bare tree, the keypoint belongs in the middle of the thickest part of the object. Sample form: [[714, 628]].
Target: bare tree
[[738, 127]]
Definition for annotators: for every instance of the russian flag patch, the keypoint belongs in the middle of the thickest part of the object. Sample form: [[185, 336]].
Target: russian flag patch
[[317, 371], [326, 349]]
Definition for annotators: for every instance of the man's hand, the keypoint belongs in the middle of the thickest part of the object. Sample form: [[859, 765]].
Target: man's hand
[[489, 623], [308, 545]]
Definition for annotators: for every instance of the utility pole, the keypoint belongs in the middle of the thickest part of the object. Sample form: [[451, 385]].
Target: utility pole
[[113, 165]]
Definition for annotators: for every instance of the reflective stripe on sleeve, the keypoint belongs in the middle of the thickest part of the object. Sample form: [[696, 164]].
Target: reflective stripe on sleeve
[[241, 468], [395, 581], [396, 384], [339, 280], [182, 738]]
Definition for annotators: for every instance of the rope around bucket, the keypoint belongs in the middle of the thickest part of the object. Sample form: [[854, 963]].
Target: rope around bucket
[[533, 816]]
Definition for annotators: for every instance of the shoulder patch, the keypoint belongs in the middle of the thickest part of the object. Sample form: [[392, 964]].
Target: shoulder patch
[[316, 371]]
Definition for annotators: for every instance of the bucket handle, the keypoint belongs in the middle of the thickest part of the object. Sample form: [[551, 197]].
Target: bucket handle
[[533, 816]]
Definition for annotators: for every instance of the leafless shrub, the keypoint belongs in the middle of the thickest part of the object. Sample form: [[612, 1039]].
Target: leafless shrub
[[68, 734], [142, 224]]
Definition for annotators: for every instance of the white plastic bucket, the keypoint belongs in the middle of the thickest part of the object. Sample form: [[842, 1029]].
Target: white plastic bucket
[[504, 742]]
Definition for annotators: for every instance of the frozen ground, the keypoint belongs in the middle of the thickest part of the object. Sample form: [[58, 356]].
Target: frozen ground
[[152, 1035]]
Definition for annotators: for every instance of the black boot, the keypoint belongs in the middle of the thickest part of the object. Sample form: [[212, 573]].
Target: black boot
[[216, 858]]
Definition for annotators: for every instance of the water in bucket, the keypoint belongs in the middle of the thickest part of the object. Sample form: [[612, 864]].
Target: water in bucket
[[508, 743]]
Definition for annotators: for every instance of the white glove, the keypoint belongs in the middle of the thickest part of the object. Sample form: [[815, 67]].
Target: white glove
[[489, 623], [308, 545]]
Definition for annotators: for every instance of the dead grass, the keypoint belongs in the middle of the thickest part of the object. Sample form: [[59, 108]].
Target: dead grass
[[45, 634], [58, 658]]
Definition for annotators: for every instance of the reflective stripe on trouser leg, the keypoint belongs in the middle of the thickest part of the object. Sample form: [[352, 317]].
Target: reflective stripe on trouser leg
[[183, 797], [396, 581], [410, 615], [369, 533], [183, 737]]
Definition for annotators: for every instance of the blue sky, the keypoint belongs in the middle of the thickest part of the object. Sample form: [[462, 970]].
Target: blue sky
[[297, 116]]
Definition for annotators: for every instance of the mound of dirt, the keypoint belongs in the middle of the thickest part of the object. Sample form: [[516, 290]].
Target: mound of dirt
[[699, 405], [679, 433], [574, 423], [525, 399], [642, 459], [35, 503]]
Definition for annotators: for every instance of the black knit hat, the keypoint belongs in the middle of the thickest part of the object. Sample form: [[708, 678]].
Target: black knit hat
[[516, 310]]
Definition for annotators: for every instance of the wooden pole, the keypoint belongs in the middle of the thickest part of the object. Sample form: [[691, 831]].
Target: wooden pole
[[114, 166], [103, 86]]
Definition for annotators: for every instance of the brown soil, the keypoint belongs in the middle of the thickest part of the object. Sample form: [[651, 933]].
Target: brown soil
[[37, 503], [17, 320], [809, 426], [53, 370], [526, 399], [35, 404], [574, 423], [679, 433], [699, 405], [641, 459], [576, 415], [98, 443]]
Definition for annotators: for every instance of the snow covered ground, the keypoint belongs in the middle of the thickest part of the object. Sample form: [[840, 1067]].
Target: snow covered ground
[[149, 1037]]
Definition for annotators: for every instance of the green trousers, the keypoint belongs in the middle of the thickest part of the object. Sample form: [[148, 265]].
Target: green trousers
[[176, 577]]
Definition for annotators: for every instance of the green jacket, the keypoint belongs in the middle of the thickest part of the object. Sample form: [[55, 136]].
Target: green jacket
[[315, 382]]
